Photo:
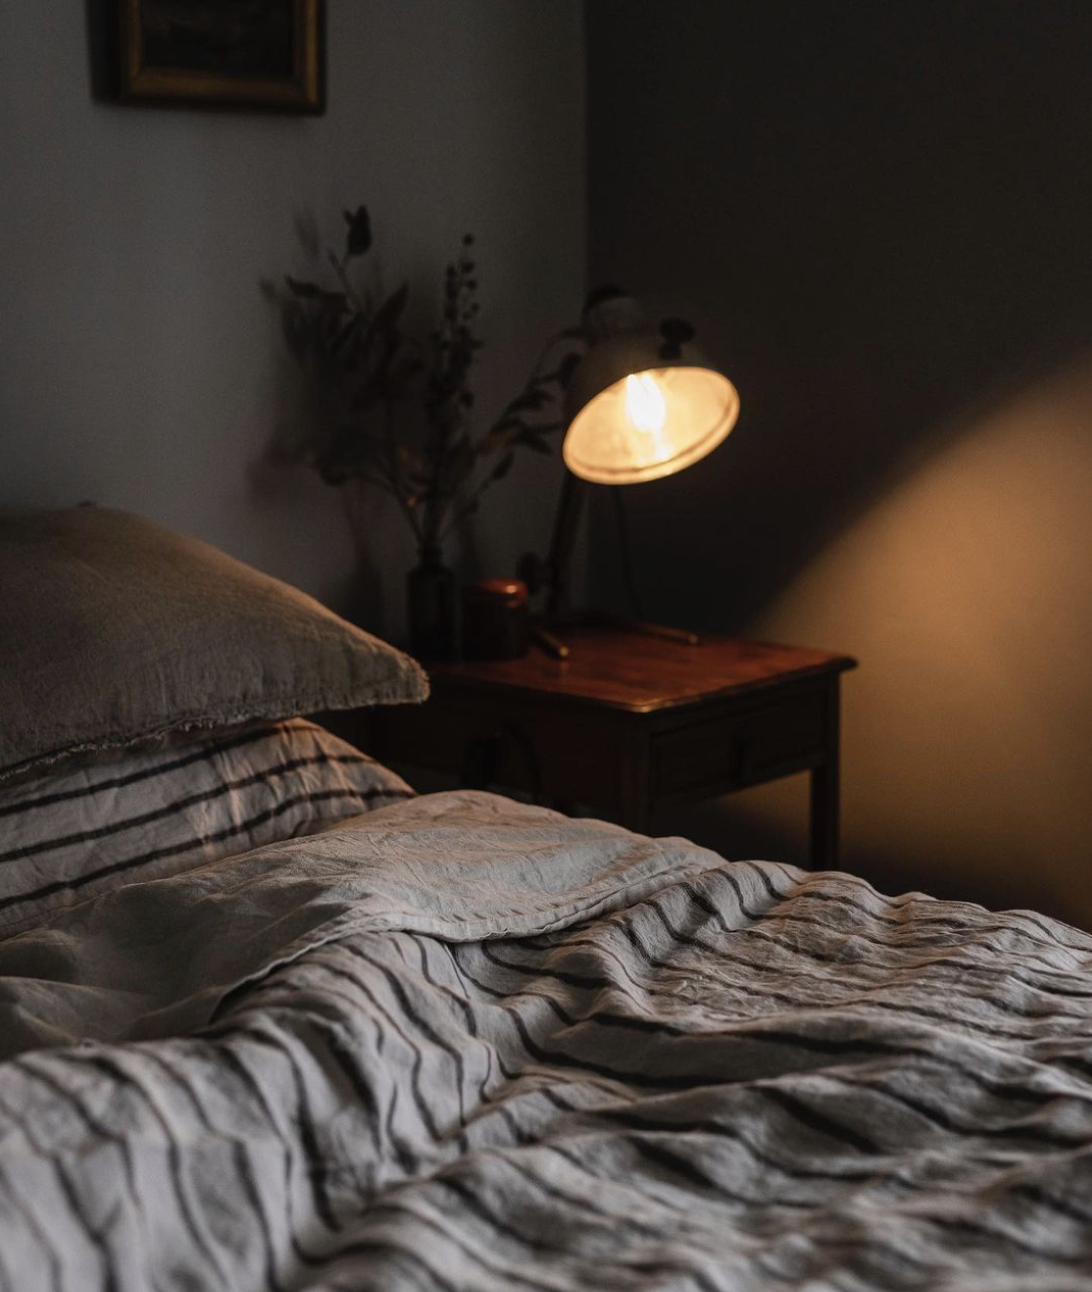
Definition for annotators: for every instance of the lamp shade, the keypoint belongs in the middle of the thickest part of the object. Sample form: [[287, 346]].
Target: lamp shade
[[639, 409]]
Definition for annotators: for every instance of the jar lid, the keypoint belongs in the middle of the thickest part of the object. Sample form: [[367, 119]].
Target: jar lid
[[496, 590]]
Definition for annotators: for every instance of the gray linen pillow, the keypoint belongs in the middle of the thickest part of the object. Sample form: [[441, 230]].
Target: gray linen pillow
[[114, 630]]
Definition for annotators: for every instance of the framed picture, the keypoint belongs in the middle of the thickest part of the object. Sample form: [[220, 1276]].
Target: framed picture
[[241, 53]]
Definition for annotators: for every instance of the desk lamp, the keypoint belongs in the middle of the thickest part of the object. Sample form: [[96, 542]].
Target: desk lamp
[[642, 403]]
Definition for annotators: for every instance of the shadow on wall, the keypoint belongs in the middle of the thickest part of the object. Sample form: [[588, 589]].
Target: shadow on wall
[[877, 216]]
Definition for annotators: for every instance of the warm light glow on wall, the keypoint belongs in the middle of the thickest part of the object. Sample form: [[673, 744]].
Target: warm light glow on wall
[[964, 590]]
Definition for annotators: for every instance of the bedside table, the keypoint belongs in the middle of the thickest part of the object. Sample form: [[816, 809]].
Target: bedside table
[[629, 724]]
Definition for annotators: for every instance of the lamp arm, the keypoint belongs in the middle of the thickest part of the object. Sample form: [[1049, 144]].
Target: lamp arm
[[570, 505], [551, 574]]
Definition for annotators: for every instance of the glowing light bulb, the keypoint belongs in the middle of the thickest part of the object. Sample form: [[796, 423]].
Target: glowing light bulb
[[645, 405]]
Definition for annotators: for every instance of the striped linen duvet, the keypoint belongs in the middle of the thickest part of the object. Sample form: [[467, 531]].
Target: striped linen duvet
[[461, 1043]]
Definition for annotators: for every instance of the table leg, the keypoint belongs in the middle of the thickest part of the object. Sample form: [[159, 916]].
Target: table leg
[[824, 817], [633, 782]]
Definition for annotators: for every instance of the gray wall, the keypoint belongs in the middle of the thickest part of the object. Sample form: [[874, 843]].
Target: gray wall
[[140, 365], [878, 216]]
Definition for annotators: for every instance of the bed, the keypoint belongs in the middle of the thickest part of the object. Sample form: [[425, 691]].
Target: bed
[[271, 1020]]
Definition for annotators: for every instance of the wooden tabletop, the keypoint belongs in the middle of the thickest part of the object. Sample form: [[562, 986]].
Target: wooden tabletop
[[618, 669]]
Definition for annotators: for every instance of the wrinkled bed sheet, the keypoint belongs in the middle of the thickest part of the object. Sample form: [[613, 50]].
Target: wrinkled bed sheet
[[462, 1043]]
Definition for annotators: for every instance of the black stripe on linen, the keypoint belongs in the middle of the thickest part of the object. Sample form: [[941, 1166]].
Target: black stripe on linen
[[96, 1235], [789, 1104], [601, 982], [461, 1002], [610, 1019], [685, 1169], [201, 841], [586, 982], [621, 984], [180, 805], [656, 1152], [117, 1073], [998, 1087], [801, 891], [344, 1058], [596, 1184], [324, 1025], [1039, 1195], [93, 1235], [867, 1001], [432, 1223], [996, 1238], [254, 1200], [1012, 1092], [939, 1119], [421, 1103], [538, 1053], [489, 1101], [385, 1247], [600, 1017], [326, 1041], [634, 1118], [803, 1114], [795, 1109], [422, 1024], [354, 1074], [539, 1243], [32, 1224], [495, 1102], [1008, 1089], [150, 1055], [202, 753], [1013, 919], [303, 1117], [607, 952], [628, 1076], [329, 1035], [226, 1052], [306, 1122], [761, 919], [895, 946], [589, 1199], [90, 1122]]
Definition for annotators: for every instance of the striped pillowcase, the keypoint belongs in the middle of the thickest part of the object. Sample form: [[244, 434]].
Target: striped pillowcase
[[147, 814]]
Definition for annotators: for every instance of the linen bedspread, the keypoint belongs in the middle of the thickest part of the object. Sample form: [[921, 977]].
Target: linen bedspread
[[462, 1043]]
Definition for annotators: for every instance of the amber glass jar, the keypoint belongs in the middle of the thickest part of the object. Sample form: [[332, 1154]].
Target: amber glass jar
[[495, 619]]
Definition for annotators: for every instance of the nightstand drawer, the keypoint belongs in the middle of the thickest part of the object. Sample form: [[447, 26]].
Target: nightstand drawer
[[741, 749]]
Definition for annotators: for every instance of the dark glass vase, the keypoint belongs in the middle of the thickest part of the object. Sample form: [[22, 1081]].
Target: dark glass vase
[[431, 597]]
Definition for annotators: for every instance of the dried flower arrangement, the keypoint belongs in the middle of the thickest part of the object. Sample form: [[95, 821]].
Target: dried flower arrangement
[[360, 364]]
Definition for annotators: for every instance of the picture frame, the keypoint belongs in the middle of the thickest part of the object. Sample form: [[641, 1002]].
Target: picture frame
[[265, 54]]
